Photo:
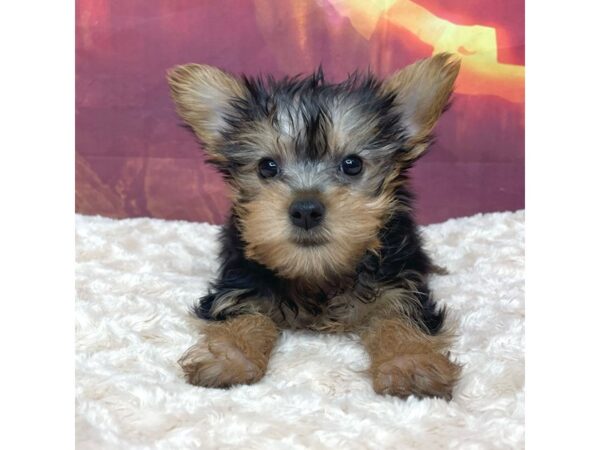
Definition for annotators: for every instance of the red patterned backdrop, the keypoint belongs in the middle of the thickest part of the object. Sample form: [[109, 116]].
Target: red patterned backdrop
[[133, 157]]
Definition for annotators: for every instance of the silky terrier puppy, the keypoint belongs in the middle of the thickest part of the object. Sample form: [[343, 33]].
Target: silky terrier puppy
[[321, 235]]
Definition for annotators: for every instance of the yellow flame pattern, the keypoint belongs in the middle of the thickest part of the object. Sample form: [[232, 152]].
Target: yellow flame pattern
[[481, 72]]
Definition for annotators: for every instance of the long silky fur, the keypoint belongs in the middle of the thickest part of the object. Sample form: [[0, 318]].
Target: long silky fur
[[374, 263], [400, 263]]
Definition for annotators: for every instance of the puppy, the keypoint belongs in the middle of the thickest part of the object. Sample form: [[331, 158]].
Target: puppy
[[321, 234]]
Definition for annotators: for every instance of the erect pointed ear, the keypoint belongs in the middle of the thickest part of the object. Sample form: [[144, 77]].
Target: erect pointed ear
[[203, 96], [422, 91]]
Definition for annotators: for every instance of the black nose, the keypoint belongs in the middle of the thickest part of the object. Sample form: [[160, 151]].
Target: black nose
[[307, 213]]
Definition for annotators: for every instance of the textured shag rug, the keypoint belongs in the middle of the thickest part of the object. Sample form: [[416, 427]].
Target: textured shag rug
[[136, 279]]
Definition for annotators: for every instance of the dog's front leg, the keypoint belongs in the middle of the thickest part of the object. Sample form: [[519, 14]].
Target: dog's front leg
[[405, 360], [229, 352]]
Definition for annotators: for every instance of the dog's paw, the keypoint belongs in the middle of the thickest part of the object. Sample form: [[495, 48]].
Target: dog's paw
[[421, 375], [218, 363]]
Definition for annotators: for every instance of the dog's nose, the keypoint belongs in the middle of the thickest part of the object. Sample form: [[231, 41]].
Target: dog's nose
[[307, 213]]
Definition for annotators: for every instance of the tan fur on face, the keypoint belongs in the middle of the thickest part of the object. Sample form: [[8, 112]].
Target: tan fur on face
[[406, 361], [235, 351], [422, 92], [351, 225]]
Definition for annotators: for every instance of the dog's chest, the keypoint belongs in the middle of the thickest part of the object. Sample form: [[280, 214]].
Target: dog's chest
[[335, 309]]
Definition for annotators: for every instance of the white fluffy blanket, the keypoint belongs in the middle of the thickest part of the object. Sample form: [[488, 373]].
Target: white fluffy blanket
[[136, 279]]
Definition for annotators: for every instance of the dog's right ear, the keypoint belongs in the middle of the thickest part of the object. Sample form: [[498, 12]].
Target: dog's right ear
[[204, 98]]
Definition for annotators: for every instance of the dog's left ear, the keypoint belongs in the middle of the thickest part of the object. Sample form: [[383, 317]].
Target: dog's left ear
[[422, 91]]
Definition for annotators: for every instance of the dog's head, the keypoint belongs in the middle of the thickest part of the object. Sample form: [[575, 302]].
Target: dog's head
[[314, 167]]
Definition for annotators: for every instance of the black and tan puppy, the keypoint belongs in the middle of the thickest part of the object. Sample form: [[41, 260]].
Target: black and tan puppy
[[321, 234]]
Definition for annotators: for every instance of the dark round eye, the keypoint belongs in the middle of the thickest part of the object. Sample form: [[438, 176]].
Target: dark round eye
[[351, 165], [268, 168]]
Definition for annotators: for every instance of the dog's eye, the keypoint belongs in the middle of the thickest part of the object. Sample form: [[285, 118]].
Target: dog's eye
[[267, 168], [351, 165]]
